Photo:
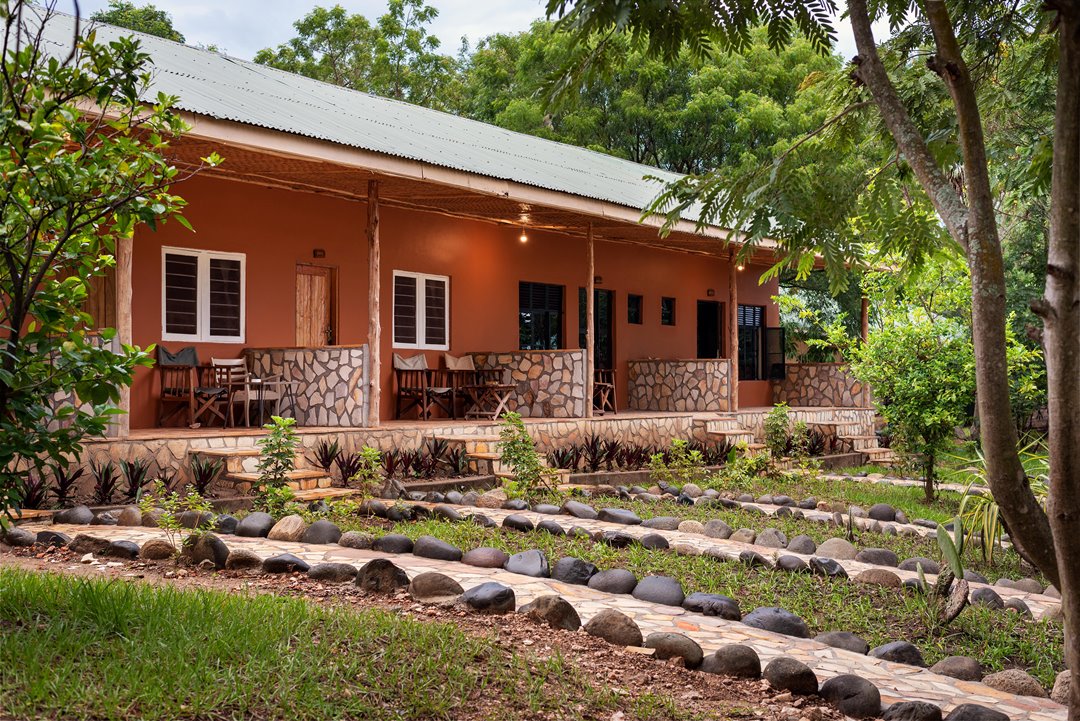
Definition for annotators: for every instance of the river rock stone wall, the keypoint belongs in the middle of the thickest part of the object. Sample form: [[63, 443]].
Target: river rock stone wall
[[329, 383], [549, 384], [680, 385], [821, 384]]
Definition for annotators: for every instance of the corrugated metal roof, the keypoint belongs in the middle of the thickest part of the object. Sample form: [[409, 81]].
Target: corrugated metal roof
[[226, 88]]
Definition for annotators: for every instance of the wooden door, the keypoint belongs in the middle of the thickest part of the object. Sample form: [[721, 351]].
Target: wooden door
[[314, 306]]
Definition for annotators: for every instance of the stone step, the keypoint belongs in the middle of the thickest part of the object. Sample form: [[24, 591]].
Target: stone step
[[244, 451], [472, 443], [301, 479], [323, 493]]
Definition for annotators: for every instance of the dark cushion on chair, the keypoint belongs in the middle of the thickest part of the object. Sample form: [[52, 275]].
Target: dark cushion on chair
[[188, 356]]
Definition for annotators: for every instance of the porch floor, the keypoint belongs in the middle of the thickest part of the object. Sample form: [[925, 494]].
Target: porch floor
[[172, 433]]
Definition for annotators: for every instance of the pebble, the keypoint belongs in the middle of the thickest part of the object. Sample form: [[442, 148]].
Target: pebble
[[553, 610], [1062, 686], [735, 660], [240, 559], [912, 711], [255, 525], [879, 577], [1016, 682], [332, 572], [929, 566], [838, 549], [772, 538], [662, 523], [284, 563], [432, 587], [975, 712], [802, 544], [613, 580], [659, 589], [485, 557], [878, 557], [669, 645], [577, 509], [853, 695], [381, 576], [845, 640], [157, 549], [743, 535], [899, 652], [52, 538], [76, 516], [827, 567], [717, 529], [692, 527], [964, 668], [615, 628], [573, 570], [619, 515], [355, 539], [788, 674], [431, 547], [773, 618], [321, 532], [393, 543], [490, 597], [986, 596], [528, 563], [713, 604], [654, 542], [792, 564]]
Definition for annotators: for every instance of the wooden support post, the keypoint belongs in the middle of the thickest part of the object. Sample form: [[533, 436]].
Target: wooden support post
[[590, 317], [864, 319], [374, 321], [733, 330], [123, 325]]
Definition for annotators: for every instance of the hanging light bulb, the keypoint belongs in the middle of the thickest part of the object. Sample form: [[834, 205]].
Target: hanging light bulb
[[523, 237], [740, 266]]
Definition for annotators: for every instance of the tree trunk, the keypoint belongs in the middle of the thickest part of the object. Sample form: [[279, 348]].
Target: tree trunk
[[928, 478], [1060, 311], [973, 225]]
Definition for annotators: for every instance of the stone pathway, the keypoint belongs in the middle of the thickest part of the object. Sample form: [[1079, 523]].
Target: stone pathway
[[897, 682], [695, 544], [909, 482]]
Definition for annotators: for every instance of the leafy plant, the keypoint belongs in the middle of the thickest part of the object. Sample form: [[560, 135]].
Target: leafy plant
[[799, 442], [204, 469], [566, 458], [456, 461], [106, 481], [815, 443], [277, 451], [348, 465], [592, 454], [679, 465], [170, 505], [65, 480], [34, 491], [326, 452], [368, 476], [777, 427], [518, 452], [633, 457], [274, 500], [136, 475]]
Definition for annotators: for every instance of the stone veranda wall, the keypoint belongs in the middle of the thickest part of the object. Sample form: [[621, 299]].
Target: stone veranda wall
[[549, 384], [329, 383], [821, 384], [680, 385]]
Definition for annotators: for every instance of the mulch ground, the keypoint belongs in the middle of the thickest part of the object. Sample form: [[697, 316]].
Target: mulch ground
[[630, 674]]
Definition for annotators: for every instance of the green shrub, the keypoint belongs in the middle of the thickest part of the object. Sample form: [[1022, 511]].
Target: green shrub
[[777, 429], [277, 451], [679, 465], [171, 505], [518, 452]]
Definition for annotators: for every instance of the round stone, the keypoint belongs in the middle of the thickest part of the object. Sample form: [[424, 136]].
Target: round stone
[[735, 660], [129, 516], [486, 557], [546, 508], [717, 529], [321, 532], [432, 587], [226, 524], [929, 566], [285, 563], [1062, 687], [743, 535], [447, 513], [792, 564], [130, 550], [255, 525], [912, 711], [528, 563], [838, 549], [899, 652], [18, 537], [242, 559], [617, 539], [713, 604], [357, 540], [659, 589], [619, 515], [490, 597], [615, 628], [553, 610], [516, 522], [878, 557], [332, 572], [975, 712], [1016, 682], [393, 543], [986, 596], [878, 577], [669, 645], [802, 544], [845, 640], [753, 559], [827, 567], [52, 538], [76, 516], [549, 526], [573, 570], [515, 504], [662, 523], [853, 695], [772, 538], [788, 674], [157, 549], [577, 509], [208, 547], [882, 512], [654, 542], [692, 527], [777, 620], [964, 668], [1017, 605], [431, 547], [614, 580], [380, 575]]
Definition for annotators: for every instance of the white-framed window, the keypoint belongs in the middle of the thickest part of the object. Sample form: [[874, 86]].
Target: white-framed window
[[203, 295], [421, 311]]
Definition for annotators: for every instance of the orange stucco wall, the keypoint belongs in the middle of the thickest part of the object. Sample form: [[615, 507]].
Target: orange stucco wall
[[278, 229]]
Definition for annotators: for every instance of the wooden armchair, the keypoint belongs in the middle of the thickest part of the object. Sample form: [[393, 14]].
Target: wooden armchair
[[183, 389], [242, 388], [604, 400], [411, 377]]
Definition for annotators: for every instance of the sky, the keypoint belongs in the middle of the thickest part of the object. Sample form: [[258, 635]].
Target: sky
[[243, 27]]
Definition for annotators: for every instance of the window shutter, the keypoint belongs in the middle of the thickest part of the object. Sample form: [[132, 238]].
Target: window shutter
[[225, 291], [405, 310], [435, 321], [181, 294]]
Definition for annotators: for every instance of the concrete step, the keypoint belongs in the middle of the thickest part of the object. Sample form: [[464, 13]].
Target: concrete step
[[323, 493], [301, 479], [472, 443]]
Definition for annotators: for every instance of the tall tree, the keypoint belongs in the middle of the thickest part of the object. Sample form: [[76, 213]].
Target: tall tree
[[962, 38], [84, 164], [145, 19], [396, 57]]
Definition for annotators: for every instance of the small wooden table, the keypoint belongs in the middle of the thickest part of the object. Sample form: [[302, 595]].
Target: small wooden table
[[489, 400]]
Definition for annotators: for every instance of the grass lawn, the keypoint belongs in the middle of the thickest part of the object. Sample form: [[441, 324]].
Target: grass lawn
[[999, 639], [92, 649]]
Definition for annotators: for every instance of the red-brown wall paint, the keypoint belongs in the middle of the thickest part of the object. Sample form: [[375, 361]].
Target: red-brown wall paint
[[278, 229]]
